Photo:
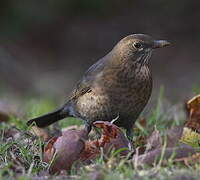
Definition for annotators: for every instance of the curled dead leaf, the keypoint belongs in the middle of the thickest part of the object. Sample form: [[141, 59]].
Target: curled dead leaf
[[49, 150], [193, 108], [112, 137], [63, 151], [91, 151]]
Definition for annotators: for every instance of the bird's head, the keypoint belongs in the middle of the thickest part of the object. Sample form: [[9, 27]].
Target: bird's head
[[139, 47]]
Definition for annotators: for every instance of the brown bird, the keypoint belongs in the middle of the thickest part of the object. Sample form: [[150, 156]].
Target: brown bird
[[118, 86]]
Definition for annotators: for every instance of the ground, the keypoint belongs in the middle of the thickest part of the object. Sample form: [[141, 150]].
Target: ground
[[21, 152]]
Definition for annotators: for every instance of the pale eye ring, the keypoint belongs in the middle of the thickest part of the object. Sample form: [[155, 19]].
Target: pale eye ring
[[137, 45]]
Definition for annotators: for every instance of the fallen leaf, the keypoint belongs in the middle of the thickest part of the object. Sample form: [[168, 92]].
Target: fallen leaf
[[154, 141], [63, 151], [91, 151], [176, 152], [112, 137], [193, 108], [175, 138], [49, 150]]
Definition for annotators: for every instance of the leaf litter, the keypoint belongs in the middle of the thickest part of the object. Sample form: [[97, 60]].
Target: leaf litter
[[75, 148]]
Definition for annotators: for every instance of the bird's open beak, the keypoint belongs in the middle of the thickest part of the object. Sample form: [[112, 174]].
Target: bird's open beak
[[160, 44]]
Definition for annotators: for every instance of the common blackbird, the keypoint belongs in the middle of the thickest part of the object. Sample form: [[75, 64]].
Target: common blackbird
[[118, 85]]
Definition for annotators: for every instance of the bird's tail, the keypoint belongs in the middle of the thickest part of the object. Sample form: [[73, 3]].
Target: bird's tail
[[49, 118]]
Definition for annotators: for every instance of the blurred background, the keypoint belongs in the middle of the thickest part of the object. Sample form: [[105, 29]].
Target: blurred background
[[46, 46]]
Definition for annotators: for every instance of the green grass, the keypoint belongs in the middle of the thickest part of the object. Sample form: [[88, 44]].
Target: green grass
[[21, 152]]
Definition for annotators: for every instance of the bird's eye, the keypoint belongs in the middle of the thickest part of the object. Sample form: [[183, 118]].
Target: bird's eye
[[137, 45]]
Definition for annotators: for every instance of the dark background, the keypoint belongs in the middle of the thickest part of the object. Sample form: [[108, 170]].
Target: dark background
[[45, 46]]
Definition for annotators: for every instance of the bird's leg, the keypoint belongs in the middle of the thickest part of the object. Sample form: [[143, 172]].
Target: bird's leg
[[129, 135], [88, 127]]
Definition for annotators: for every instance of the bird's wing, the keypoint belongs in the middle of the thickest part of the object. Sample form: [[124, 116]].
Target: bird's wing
[[85, 84]]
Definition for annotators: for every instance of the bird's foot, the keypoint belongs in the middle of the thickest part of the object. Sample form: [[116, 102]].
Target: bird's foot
[[131, 146], [129, 135]]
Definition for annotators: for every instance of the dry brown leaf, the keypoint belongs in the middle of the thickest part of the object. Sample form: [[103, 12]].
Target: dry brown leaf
[[176, 152], [112, 137], [181, 151], [63, 151], [91, 151], [193, 108], [154, 141], [49, 150]]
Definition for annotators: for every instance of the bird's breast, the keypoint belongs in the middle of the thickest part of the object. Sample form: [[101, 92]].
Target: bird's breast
[[128, 88], [116, 92]]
